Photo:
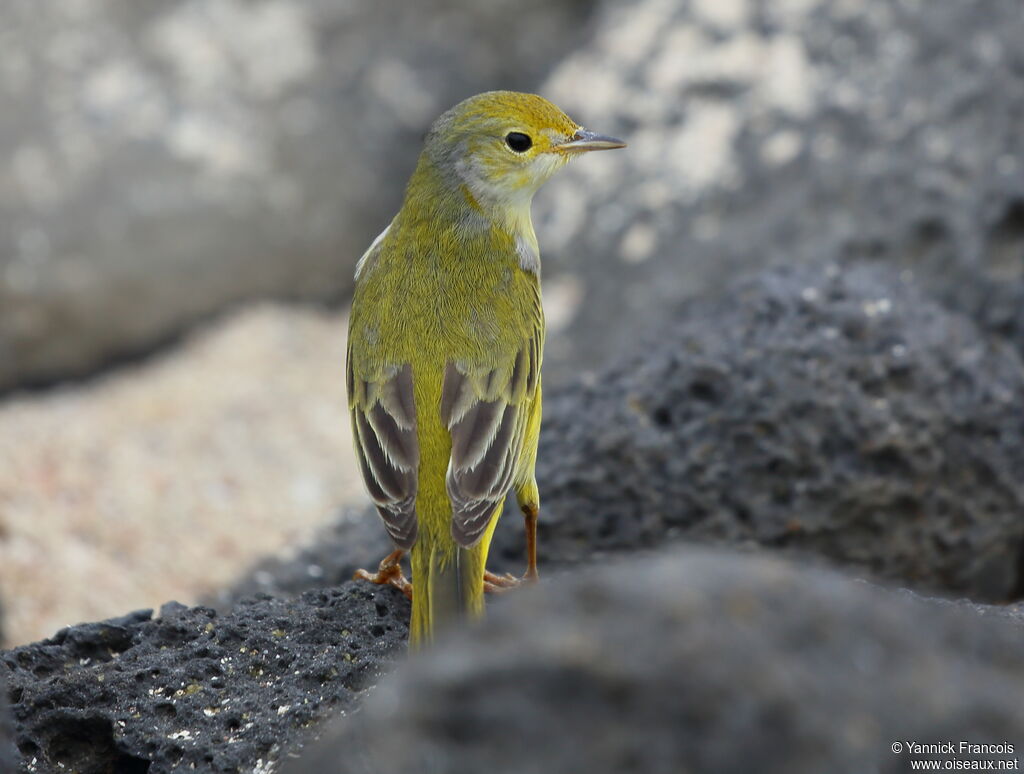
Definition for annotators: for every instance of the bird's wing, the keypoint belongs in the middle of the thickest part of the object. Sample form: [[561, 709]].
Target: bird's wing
[[383, 413], [486, 409]]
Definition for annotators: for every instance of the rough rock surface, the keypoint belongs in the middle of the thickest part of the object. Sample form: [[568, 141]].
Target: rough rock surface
[[838, 413], [691, 661], [779, 132], [652, 664], [834, 412], [8, 753], [196, 690], [169, 158]]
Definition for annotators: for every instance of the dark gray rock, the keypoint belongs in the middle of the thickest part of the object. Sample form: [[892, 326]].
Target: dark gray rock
[[838, 413], [835, 412], [166, 159], [764, 133], [691, 661], [8, 752], [1012, 612], [195, 690]]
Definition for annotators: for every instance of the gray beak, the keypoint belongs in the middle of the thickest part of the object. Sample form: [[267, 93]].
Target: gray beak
[[585, 140]]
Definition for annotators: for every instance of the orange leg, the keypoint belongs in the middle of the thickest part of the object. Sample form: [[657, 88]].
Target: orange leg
[[389, 573], [499, 583]]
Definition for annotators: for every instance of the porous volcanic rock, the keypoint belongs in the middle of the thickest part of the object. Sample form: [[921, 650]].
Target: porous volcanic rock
[[691, 660], [196, 690], [8, 753], [836, 412], [765, 133], [166, 159]]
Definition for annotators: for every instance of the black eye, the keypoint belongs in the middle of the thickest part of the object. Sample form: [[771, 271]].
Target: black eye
[[518, 141]]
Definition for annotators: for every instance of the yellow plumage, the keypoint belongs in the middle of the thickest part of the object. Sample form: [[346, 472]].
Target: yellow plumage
[[445, 345]]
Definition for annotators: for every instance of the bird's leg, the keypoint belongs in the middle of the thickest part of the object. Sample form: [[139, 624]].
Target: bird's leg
[[498, 583], [530, 514], [389, 573]]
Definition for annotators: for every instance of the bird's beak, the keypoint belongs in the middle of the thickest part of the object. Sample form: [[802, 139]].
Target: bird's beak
[[585, 140]]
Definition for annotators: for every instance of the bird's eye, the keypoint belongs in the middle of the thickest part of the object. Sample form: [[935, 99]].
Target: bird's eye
[[518, 141]]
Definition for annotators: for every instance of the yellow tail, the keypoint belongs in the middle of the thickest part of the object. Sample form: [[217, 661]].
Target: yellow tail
[[447, 583]]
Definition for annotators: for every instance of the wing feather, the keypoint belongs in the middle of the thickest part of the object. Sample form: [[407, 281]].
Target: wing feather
[[474, 434], [384, 428], [486, 412]]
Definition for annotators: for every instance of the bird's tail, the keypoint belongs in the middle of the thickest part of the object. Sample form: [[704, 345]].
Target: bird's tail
[[447, 584]]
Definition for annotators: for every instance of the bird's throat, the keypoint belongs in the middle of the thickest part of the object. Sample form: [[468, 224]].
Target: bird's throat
[[437, 200]]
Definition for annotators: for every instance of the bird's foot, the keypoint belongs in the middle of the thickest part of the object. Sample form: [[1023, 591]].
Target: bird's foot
[[389, 573], [498, 584]]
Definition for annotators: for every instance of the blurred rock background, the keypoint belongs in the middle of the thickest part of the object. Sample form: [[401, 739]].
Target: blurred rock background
[[785, 132], [166, 160]]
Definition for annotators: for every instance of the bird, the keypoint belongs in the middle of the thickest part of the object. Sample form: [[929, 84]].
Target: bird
[[445, 343]]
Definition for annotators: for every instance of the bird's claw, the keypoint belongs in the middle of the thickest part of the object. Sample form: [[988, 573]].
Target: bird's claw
[[497, 584], [389, 573]]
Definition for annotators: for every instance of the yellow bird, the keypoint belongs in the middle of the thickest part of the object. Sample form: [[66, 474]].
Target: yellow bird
[[445, 343]]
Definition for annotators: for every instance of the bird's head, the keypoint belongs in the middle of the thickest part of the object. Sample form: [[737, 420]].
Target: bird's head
[[503, 145]]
